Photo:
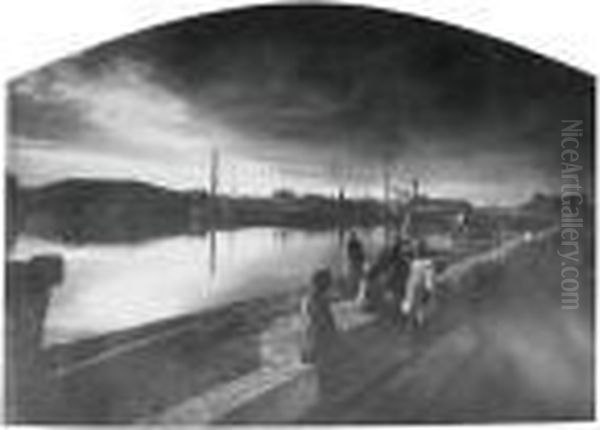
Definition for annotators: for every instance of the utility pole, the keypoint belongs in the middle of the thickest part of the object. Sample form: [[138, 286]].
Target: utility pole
[[214, 173], [213, 213], [415, 187], [386, 200], [409, 207]]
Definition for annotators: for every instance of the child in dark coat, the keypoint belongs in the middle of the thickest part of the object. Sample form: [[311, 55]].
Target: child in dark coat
[[319, 323]]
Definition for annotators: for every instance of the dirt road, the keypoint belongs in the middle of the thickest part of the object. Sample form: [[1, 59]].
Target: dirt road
[[501, 349]]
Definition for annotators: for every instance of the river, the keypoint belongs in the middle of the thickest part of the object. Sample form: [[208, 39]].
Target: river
[[112, 287]]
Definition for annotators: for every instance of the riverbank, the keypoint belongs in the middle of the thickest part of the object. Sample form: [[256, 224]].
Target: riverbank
[[241, 354], [373, 352], [501, 349], [123, 376]]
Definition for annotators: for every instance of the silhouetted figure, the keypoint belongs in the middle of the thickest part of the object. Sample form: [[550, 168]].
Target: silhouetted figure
[[420, 288], [385, 281], [398, 272], [373, 299], [356, 260], [320, 328]]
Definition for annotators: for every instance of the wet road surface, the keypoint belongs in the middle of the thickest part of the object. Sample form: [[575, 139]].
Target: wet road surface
[[499, 349]]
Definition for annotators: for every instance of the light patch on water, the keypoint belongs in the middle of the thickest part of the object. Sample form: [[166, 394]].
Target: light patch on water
[[109, 287]]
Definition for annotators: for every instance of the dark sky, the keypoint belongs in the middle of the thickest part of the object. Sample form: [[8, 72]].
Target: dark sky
[[305, 97]]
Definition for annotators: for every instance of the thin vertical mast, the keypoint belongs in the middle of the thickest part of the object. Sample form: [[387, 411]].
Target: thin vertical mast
[[214, 172]]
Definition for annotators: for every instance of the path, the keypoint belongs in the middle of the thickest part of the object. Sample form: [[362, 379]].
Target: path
[[505, 351]]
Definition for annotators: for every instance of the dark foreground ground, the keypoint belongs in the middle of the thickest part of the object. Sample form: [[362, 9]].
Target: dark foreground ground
[[499, 348]]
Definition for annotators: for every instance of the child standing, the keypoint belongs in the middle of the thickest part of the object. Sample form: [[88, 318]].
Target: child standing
[[319, 323]]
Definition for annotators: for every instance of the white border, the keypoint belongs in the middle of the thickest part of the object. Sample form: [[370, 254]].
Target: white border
[[36, 32]]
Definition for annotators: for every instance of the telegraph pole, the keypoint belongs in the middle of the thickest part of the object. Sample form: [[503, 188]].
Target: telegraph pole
[[411, 203], [213, 213], [214, 173], [415, 188], [386, 199]]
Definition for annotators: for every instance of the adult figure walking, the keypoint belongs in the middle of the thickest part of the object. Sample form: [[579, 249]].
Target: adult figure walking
[[420, 288], [356, 261]]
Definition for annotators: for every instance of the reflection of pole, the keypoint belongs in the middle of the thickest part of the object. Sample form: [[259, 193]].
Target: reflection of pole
[[212, 255], [212, 218]]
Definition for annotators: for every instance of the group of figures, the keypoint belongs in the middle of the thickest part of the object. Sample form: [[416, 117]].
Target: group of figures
[[398, 285]]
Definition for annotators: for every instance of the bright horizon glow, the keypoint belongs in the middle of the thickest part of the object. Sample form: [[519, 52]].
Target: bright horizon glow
[[122, 123]]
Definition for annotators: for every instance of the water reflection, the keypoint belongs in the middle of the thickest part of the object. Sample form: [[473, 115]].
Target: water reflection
[[114, 287], [212, 240]]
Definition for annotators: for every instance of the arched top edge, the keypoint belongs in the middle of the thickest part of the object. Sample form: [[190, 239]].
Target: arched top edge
[[570, 45]]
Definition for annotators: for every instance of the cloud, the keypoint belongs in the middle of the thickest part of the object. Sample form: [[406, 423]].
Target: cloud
[[301, 94], [117, 110]]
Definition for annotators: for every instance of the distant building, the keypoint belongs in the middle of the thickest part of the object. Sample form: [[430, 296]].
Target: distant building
[[427, 204], [436, 221]]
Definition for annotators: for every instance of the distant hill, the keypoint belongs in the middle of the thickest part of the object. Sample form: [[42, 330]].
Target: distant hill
[[85, 210]]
